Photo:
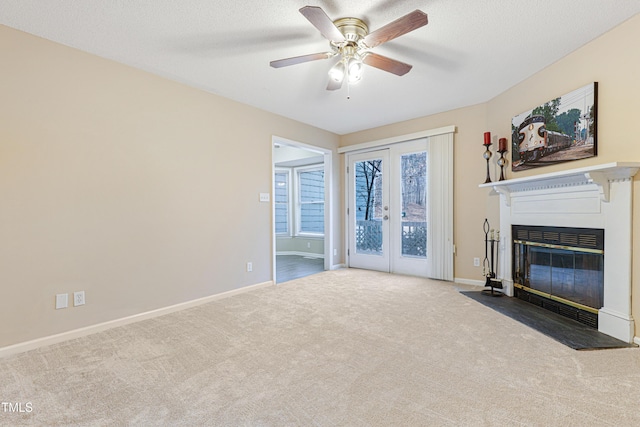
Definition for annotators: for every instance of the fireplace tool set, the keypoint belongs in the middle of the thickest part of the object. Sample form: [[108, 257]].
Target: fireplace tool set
[[490, 263]]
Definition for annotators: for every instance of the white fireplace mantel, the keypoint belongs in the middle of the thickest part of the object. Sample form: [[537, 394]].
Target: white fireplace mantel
[[601, 175], [597, 196]]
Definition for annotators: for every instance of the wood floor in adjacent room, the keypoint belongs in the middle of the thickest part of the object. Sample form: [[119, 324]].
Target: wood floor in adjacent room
[[346, 347], [289, 267]]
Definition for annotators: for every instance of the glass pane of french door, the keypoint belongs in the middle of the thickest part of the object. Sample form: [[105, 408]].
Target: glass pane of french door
[[413, 182], [368, 193]]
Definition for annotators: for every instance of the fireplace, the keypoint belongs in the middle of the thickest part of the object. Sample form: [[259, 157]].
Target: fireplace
[[560, 269], [598, 198]]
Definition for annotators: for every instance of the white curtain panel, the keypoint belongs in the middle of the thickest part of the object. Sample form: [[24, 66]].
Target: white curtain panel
[[440, 209]]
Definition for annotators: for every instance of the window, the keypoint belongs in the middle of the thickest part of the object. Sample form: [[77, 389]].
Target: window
[[311, 200], [281, 201], [298, 198]]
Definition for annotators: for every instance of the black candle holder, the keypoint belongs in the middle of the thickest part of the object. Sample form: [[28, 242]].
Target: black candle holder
[[487, 155], [502, 162]]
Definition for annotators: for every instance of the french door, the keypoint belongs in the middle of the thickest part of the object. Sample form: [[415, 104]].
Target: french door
[[387, 213], [369, 210]]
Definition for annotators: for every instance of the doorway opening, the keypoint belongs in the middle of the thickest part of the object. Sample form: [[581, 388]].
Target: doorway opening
[[301, 220]]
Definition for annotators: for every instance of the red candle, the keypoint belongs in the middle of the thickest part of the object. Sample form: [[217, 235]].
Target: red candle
[[502, 144], [487, 138]]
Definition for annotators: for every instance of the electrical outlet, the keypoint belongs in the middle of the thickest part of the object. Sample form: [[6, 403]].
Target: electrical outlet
[[308, 245], [62, 301], [249, 266], [476, 262], [78, 298]]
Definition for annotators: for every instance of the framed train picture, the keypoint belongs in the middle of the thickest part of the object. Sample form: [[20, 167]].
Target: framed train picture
[[557, 131]]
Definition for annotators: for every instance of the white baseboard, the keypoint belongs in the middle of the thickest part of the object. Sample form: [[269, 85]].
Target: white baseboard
[[88, 330], [636, 340], [471, 282], [338, 266], [307, 254]]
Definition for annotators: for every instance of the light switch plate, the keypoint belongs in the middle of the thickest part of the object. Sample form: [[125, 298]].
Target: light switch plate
[[62, 301], [264, 197]]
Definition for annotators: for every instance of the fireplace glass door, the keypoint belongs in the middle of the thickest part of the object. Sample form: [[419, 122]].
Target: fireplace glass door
[[567, 274], [555, 263]]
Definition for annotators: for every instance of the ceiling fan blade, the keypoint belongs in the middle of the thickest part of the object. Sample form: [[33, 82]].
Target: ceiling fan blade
[[323, 23], [400, 26], [334, 85], [300, 59], [386, 64]]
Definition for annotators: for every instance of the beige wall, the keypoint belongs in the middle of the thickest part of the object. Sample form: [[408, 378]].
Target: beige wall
[[300, 245], [140, 191], [613, 60]]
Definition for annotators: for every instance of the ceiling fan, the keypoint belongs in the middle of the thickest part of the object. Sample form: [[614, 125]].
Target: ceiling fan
[[351, 41]]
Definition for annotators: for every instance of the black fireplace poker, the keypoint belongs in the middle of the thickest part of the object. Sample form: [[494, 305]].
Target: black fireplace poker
[[489, 265]]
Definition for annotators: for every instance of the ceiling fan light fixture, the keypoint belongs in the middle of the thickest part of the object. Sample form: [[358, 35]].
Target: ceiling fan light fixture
[[337, 72], [350, 39], [355, 67]]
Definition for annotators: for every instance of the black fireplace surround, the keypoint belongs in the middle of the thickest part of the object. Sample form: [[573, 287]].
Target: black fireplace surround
[[560, 269]]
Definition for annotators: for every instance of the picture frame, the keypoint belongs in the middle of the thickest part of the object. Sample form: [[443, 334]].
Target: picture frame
[[560, 130]]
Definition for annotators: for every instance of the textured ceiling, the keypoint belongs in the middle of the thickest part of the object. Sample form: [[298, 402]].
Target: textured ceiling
[[469, 52]]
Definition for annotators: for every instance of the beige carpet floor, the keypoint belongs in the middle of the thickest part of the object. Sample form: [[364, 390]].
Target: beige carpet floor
[[340, 348]]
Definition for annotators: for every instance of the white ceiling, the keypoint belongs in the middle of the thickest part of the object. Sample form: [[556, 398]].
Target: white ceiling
[[471, 50]]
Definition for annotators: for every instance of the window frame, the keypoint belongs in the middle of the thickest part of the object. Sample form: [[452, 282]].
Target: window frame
[[289, 216], [299, 203]]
